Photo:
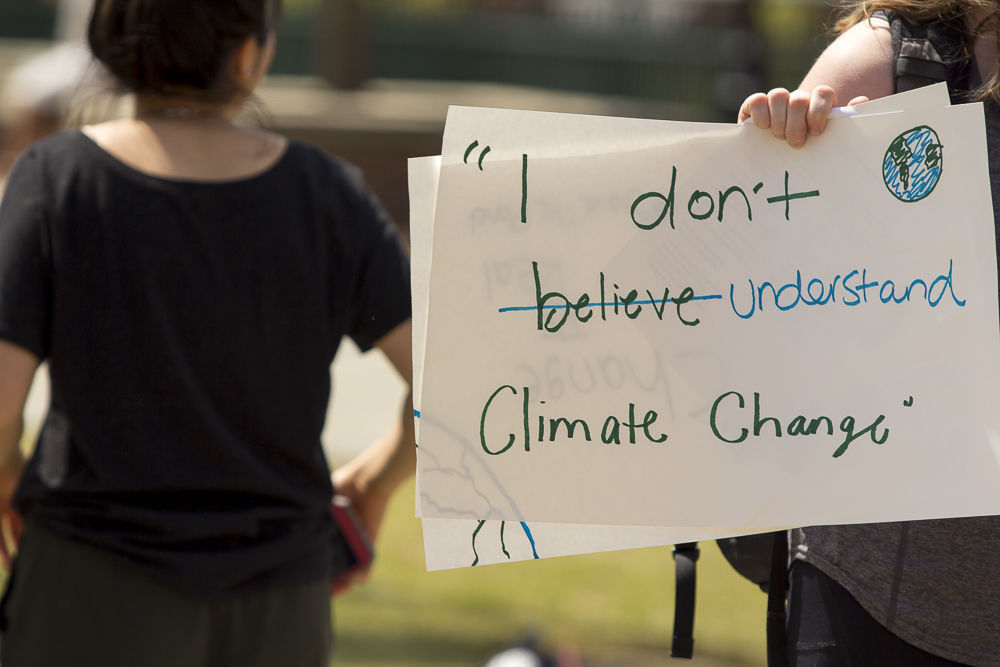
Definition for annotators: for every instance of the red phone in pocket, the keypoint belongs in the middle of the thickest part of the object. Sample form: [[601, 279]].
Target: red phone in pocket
[[352, 547]]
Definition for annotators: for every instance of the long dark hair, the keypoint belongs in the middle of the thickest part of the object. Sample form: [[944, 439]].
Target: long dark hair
[[177, 47]]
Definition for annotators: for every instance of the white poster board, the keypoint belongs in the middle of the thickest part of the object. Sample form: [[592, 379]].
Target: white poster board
[[915, 378], [450, 543]]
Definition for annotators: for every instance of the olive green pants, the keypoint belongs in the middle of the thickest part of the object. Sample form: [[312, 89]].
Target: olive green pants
[[68, 604]]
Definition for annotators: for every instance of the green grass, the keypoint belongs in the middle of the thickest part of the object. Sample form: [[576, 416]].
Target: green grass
[[611, 609]]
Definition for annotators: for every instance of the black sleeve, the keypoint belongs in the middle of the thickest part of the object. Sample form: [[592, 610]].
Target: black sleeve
[[25, 266], [382, 297]]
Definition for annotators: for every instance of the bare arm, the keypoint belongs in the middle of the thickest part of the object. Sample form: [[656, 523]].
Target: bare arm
[[856, 67], [17, 369], [373, 475]]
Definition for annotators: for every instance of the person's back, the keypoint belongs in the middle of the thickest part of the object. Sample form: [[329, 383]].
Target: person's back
[[189, 282], [192, 326]]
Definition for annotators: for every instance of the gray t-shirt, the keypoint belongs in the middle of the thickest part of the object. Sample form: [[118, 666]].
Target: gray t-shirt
[[935, 584]]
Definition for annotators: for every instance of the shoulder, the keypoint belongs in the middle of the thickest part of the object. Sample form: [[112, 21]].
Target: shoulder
[[329, 178], [55, 147], [60, 144], [311, 159], [328, 165], [65, 152], [859, 62], [48, 161], [301, 154]]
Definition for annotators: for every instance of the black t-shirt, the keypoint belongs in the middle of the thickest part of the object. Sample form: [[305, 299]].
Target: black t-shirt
[[189, 329]]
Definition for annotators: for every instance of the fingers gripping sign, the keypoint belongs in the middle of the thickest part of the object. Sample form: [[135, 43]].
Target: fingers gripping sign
[[809, 114], [792, 116]]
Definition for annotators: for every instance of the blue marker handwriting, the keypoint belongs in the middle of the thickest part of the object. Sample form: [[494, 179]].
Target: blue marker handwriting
[[855, 288]]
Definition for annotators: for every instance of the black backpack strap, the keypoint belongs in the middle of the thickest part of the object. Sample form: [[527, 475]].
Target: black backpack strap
[[777, 587], [929, 53], [685, 562], [917, 62], [686, 558]]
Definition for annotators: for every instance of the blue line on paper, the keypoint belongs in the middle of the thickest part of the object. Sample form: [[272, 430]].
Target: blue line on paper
[[608, 304], [467, 450], [527, 531]]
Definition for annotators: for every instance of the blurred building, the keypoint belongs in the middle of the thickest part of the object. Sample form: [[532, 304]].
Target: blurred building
[[703, 56], [371, 79]]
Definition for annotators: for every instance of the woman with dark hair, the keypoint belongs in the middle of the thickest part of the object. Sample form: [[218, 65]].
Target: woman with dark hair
[[188, 281], [921, 592]]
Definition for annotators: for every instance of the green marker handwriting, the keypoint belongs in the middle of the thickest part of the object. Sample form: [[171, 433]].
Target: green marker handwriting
[[651, 208], [609, 429], [554, 307], [733, 403]]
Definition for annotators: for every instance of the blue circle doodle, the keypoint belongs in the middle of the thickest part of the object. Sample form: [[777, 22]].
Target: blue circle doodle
[[913, 163]]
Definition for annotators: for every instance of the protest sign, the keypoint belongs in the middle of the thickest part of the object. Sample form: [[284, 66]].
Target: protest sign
[[694, 354], [450, 543]]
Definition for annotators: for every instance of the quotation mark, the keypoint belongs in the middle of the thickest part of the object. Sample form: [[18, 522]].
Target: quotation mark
[[482, 156], [524, 173]]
